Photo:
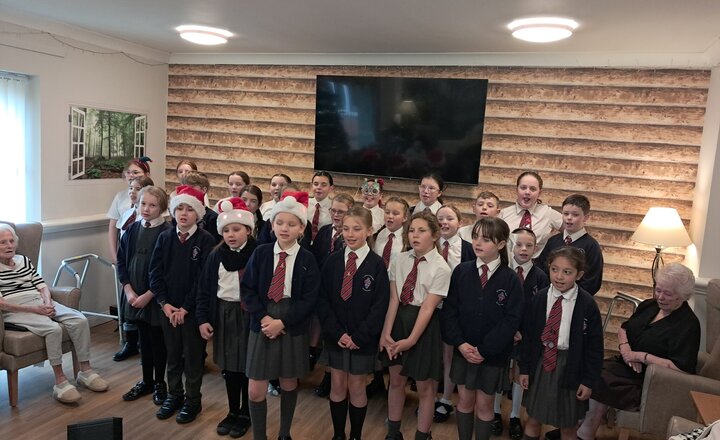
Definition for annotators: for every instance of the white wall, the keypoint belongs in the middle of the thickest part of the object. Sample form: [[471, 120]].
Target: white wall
[[74, 211]]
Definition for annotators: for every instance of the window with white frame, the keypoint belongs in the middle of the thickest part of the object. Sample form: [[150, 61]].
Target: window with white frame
[[13, 91]]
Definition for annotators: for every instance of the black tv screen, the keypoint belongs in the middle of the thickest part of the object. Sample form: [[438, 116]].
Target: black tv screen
[[400, 127]]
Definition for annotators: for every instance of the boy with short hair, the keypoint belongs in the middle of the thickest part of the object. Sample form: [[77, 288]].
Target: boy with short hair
[[208, 221], [486, 204], [575, 213]]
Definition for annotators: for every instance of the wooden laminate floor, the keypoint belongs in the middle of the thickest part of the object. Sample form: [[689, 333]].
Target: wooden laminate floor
[[39, 416]]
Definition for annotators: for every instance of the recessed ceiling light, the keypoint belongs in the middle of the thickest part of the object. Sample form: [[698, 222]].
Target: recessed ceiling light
[[542, 29], [204, 35]]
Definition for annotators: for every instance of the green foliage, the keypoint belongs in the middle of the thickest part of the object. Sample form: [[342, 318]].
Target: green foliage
[[93, 173], [116, 165]]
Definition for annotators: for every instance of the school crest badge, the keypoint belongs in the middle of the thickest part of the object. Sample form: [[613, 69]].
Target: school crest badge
[[195, 253], [501, 297], [368, 283]]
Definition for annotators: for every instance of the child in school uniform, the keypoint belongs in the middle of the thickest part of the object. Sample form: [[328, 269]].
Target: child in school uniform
[[562, 348], [220, 312], [354, 295], [236, 181], [266, 234], [575, 213], [277, 183], [319, 204], [279, 289], [430, 191], [371, 193], [481, 315], [454, 250], [533, 279], [486, 204], [419, 280], [389, 242], [175, 269], [183, 168], [131, 214], [133, 266], [329, 239]]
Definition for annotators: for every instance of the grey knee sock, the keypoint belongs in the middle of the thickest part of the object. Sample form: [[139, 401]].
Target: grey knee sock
[[483, 430], [288, 400], [465, 423], [258, 417]]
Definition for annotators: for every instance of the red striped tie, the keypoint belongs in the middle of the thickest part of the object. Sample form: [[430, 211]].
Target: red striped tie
[[315, 220], [568, 240], [526, 221], [408, 289], [520, 275], [183, 236], [550, 334], [350, 269], [446, 250], [387, 250], [129, 221], [277, 285], [483, 275], [334, 238]]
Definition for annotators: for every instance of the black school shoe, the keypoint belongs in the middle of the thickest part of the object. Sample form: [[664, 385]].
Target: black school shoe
[[169, 406], [127, 350], [553, 435], [375, 388], [323, 390], [515, 429], [140, 389], [225, 426], [241, 426], [188, 412], [442, 416], [497, 425], [159, 393], [397, 436]]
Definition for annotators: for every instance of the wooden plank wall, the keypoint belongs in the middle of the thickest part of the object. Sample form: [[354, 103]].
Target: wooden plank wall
[[628, 139]]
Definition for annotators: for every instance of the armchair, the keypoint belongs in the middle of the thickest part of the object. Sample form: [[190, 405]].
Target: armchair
[[666, 393], [20, 349]]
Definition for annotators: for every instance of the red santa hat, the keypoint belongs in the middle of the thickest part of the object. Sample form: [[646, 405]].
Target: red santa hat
[[190, 196], [234, 210], [293, 202]]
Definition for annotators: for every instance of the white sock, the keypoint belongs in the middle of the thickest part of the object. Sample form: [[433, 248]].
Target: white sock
[[517, 393], [498, 402]]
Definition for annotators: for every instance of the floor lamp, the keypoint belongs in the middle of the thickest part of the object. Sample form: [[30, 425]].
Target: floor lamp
[[661, 228]]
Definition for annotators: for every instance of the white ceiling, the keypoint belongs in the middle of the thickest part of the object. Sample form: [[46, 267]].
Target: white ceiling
[[683, 33]]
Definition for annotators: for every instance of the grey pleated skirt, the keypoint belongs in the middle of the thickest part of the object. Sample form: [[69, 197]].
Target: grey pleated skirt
[[479, 377], [551, 404], [424, 360], [285, 357], [230, 340], [350, 361]]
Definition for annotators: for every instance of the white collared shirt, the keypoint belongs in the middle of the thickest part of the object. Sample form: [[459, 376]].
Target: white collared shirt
[[575, 235], [289, 264], [568, 306], [492, 266], [378, 217], [191, 231], [157, 221], [420, 207], [526, 267], [454, 251], [397, 245], [544, 221], [324, 218], [433, 275], [229, 282], [361, 253], [465, 232]]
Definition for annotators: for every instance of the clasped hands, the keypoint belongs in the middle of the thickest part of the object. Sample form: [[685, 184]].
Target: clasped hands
[[395, 348], [272, 328], [174, 314]]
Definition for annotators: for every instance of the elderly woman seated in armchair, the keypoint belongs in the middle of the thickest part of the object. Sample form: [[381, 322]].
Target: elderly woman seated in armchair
[[663, 331], [25, 301]]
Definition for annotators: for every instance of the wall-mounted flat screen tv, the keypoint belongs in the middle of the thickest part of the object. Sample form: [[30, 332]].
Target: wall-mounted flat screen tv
[[400, 127]]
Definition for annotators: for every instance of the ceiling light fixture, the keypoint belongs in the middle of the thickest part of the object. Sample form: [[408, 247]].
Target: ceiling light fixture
[[204, 35], [542, 29]]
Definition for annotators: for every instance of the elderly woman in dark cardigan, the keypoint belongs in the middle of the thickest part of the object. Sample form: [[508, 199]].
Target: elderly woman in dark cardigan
[[25, 301], [663, 331]]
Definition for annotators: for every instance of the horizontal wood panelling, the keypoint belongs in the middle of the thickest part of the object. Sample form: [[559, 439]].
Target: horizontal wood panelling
[[628, 139]]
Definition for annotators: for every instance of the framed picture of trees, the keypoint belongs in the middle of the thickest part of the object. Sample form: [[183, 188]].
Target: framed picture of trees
[[102, 141]]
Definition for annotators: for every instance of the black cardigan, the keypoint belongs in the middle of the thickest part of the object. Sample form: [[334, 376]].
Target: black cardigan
[[321, 245], [256, 283], [591, 280], [585, 353], [363, 315]]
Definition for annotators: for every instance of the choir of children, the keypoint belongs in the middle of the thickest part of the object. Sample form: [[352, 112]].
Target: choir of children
[[389, 283]]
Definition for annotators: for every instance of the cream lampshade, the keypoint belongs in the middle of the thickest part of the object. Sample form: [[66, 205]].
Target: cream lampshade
[[661, 228]]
